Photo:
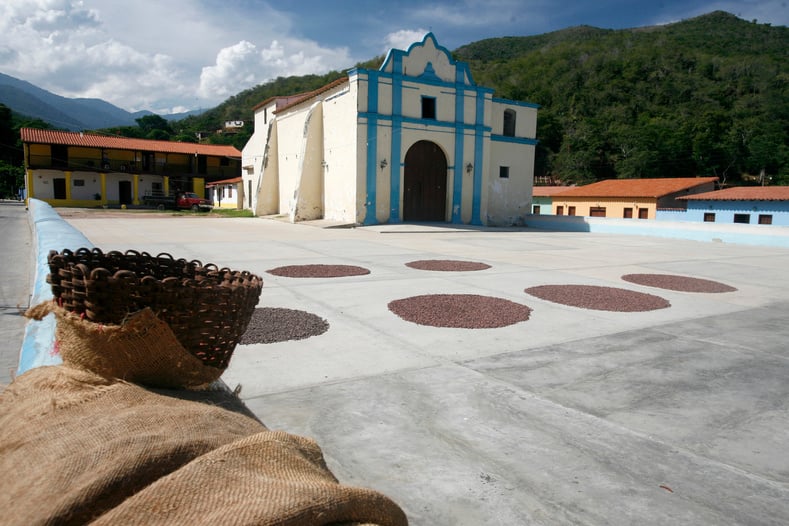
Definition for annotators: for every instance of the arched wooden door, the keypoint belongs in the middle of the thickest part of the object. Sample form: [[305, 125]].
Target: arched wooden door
[[425, 178]]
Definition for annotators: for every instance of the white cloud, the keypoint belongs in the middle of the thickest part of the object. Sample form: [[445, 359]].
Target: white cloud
[[66, 48], [240, 66], [235, 66], [154, 55], [290, 56], [403, 39]]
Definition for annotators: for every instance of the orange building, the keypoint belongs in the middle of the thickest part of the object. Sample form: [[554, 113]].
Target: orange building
[[629, 198], [542, 198]]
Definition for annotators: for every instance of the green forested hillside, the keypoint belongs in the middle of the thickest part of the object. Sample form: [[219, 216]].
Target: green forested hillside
[[706, 96]]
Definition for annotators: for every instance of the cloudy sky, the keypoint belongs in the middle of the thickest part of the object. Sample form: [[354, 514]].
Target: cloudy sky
[[169, 56]]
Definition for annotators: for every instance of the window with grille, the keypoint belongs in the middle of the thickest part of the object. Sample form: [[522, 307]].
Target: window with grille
[[742, 218], [597, 211]]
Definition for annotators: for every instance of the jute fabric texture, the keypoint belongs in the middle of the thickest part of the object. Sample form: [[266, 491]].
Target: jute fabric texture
[[143, 349], [79, 448]]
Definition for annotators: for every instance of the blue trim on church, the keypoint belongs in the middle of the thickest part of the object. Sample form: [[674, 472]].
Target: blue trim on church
[[516, 140], [462, 88], [457, 180], [476, 203], [516, 103], [372, 148]]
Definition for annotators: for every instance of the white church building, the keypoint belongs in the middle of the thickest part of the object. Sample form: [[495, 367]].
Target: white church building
[[416, 140]]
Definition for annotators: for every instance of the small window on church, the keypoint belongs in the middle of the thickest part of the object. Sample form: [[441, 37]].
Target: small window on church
[[509, 123], [429, 108]]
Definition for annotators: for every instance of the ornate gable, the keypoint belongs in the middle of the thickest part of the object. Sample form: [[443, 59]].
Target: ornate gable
[[428, 61]]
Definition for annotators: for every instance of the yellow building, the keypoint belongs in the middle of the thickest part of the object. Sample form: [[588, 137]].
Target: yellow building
[[629, 198], [87, 170]]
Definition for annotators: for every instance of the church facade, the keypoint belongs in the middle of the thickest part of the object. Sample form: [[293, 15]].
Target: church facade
[[414, 141]]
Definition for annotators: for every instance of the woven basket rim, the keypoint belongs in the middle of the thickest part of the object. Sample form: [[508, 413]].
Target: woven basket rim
[[208, 307]]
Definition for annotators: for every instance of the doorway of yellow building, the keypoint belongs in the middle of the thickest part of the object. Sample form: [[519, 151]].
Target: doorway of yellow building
[[125, 192]]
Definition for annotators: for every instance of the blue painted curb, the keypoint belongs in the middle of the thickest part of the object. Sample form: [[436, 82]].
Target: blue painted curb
[[50, 232]]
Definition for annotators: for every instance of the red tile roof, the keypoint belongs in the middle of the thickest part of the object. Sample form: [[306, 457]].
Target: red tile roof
[[225, 181], [281, 100], [652, 188], [93, 140], [548, 191], [314, 93], [745, 193]]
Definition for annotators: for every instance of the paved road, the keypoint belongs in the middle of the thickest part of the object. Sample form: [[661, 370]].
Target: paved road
[[17, 268], [576, 416]]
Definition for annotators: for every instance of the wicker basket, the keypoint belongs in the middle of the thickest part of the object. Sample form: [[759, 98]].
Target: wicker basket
[[208, 308]]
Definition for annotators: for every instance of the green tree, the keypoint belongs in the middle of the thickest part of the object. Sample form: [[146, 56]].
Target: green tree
[[8, 135], [12, 178], [705, 96], [12, 171], [154, 127]]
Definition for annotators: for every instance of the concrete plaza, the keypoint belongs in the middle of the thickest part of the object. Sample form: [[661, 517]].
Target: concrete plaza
[[576, 416]]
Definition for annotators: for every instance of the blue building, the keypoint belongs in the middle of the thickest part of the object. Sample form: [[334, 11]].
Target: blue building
[[761, 205]]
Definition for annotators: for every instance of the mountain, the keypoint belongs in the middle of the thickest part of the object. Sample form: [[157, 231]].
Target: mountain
[[72, 114], [706, 96]]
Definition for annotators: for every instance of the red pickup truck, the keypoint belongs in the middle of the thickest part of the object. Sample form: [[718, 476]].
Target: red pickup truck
[[179, 201]]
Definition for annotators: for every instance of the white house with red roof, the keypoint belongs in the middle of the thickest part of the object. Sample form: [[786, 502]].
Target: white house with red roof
[[226, 193], [88, 169], [760, 205], [416, 140]]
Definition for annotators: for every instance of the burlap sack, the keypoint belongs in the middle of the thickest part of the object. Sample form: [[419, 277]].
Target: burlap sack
[[77, 448], [271, 478], [142, 350]]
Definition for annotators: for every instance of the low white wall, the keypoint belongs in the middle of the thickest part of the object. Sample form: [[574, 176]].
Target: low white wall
[[766, 235]]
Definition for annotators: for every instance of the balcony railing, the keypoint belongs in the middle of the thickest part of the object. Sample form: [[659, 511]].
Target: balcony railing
[[137, 167]]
